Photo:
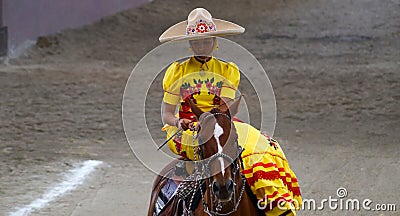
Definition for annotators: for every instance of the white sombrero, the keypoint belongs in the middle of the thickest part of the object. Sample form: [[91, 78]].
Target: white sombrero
[[198, 25]]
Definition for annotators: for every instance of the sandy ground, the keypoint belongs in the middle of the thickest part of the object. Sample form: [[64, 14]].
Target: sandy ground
[[334, 66]]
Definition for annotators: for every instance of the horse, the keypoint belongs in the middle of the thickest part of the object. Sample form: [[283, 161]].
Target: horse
[[225, 191]]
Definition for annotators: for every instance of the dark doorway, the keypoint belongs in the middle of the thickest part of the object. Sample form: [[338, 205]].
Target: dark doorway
[[3, 33]]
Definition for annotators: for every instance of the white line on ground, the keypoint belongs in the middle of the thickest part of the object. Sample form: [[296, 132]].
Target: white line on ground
[[72, 179]]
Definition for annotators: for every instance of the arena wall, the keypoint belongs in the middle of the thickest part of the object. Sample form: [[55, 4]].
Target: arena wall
[[25, 20]]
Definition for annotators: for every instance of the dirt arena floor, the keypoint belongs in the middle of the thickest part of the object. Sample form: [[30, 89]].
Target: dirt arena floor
[[334, 66]]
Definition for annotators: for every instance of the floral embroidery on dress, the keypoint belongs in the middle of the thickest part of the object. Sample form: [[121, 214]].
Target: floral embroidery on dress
[[213, 89], [188, 91]]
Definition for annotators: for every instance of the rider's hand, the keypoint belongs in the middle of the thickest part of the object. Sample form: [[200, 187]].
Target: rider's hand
[[184, 124]]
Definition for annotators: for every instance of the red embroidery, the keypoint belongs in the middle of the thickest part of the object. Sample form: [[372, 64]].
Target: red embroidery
[[202, 27]]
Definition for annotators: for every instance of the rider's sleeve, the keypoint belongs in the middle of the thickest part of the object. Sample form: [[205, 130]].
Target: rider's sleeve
[[171, 84], [232, 74]]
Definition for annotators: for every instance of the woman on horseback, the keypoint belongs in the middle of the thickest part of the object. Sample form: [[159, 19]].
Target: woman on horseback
[[209, 83]]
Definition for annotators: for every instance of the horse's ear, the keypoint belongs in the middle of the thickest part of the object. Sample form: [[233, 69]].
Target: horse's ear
[[233, 109], [196, 110]]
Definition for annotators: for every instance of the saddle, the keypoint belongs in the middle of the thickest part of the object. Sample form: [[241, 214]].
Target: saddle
[[170, 199]]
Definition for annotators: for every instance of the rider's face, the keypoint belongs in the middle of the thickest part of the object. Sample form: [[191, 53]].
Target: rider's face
[[202, 47]]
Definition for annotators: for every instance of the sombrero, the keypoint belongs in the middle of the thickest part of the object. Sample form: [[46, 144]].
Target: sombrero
[[200, 24]]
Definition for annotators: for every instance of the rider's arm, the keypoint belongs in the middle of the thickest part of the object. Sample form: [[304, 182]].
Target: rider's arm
[[169, 114], [170, 118]]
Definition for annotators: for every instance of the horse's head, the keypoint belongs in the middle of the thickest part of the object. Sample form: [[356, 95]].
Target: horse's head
[[219, 148]]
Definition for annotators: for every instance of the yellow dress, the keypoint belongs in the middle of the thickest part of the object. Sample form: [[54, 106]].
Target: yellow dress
[[265, 166]]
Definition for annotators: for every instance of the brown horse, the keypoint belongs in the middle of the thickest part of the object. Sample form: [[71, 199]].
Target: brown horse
[[225, 192]]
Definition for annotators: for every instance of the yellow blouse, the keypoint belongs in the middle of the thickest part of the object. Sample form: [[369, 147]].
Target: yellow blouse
[[203, 82]]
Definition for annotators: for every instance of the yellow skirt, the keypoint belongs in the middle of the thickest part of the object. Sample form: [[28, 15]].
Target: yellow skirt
[[265, 167]]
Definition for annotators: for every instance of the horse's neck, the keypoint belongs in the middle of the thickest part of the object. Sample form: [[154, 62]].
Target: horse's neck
[[246, 205]]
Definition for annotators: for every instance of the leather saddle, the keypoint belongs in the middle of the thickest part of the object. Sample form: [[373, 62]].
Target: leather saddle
[[169, 199]]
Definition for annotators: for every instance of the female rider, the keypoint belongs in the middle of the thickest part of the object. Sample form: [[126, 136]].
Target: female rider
[[210, 82]]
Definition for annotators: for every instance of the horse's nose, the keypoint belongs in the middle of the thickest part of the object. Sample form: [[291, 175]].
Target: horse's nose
[[215, 187], [225, 191], [229, 186]]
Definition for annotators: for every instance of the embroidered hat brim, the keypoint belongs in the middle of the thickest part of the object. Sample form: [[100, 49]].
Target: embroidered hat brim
[[180, 31]]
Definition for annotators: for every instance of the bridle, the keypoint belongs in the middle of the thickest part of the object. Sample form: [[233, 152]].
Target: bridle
[[205, 171]]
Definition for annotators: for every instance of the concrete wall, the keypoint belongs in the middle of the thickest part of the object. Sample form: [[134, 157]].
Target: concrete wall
[[28, 19]]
